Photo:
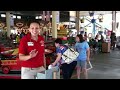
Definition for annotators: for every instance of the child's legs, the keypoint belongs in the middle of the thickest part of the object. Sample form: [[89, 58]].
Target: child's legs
[[78, 69], [84, 69]]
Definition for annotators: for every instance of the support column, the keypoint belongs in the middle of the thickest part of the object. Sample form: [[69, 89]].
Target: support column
[[114, 21], [8, 23], [77, 22], [54, 24]]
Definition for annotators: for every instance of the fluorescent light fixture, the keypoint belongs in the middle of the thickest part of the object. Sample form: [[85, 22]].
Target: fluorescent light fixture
[[36, 17], [51, 16], [3, 15], [40, 17], [72, 13], [14, 16], [18, 17]]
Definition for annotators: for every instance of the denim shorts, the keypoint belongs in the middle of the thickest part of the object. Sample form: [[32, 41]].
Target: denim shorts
[[81, 64]]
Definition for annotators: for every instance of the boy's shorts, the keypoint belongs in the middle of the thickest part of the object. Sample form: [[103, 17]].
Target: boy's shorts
[[81, 64]]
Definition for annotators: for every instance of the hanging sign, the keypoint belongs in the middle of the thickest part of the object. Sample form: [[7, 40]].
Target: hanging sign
[[19, 24], [57, 16], [43, 16], [91, 13], [100, 17], [11, 21], [2, 25], [48, 16]]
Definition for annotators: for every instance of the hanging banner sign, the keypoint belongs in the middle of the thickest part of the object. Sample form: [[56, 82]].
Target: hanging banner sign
[[43, 16], [57, 16], [11, 21], [48, 16]]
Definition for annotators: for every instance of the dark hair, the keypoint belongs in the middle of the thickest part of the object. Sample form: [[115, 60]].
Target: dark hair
[[80, 36], [33, 21], [58, 40]]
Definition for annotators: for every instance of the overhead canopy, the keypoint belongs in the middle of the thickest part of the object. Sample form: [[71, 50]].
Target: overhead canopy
[[86, 13]]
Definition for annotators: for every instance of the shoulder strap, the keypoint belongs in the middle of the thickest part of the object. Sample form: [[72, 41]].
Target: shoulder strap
[[62, 48]]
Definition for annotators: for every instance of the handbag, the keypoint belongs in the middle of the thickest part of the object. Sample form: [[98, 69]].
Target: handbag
[[70, 55]]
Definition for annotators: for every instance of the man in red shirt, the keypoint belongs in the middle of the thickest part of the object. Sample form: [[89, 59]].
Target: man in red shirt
[[31, 52]]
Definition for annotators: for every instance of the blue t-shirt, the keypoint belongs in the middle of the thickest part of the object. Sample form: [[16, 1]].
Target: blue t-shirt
[[82, 49], [61, 50]]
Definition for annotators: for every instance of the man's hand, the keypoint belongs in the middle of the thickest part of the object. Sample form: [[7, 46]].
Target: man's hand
[[33, 53]]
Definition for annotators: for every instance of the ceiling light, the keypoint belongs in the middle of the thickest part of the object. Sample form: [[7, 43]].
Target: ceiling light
[[40, 17], [14, 16], [3, 15], [36, 17], [18, 17], [51, 16]]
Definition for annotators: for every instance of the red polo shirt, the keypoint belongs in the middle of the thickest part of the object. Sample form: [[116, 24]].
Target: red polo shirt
[[25, 49]]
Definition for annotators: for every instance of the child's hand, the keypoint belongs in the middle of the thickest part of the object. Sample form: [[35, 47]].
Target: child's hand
[[53, 64]]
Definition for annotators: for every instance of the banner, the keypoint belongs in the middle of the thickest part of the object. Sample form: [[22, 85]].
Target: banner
[[57, 16], [43, 16], [48, 16], [11, 20]]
